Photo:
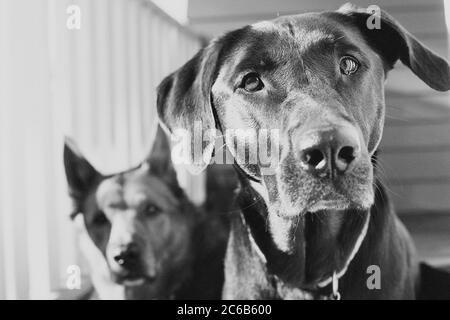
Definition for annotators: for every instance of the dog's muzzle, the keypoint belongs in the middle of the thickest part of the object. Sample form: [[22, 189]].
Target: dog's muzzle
[[128, 267], [329, 152], [327, 168]]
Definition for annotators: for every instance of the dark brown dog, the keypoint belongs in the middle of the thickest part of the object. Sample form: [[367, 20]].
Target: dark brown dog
[[318, 79], [153, 243]]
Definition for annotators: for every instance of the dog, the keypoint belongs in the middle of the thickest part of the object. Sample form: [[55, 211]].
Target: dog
[[150, 241], [320, 226]]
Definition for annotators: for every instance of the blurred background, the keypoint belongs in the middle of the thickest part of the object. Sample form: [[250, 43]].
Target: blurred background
[[97, 84]]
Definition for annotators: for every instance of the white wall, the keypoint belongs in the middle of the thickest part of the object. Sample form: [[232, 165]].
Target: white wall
[[96, 84]]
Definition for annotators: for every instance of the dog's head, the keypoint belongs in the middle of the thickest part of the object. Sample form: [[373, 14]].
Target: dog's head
[[139, 219], [317, 79]]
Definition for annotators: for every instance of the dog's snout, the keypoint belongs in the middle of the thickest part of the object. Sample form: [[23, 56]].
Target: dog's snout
[[127, 256], [330, 151]]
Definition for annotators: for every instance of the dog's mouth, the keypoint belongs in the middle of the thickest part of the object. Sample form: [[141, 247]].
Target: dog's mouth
[[330, 205], [335, 205], [329, 202], [134, 279], [293, 191]]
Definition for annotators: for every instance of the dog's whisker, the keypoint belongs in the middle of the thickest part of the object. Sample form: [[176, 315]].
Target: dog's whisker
[[382, 175]]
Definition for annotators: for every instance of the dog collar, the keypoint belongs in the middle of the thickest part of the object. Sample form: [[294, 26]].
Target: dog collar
[[290, 293], [335, 295], [335, 281]]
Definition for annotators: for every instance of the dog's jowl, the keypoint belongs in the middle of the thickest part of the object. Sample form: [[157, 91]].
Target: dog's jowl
[[154, 243], [313, 227]]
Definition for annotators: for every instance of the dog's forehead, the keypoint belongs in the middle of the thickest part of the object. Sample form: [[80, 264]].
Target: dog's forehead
[[287, 39], [132, 189], [305, 29]]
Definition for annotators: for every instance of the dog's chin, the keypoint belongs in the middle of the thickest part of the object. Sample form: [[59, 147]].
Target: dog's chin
[[328, 205], [133, 280], [321, 206], [357, 197], [336, 206]]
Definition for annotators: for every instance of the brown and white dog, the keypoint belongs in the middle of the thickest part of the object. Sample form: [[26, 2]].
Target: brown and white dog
[[315, 227], [147, 240]]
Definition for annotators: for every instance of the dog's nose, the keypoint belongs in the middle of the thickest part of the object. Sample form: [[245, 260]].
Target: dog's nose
[[329, 151], [127, 256]]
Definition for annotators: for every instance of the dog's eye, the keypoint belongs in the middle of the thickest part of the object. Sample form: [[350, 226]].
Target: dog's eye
[[348, 65], [151, 210], [100, 219], [252, 82]]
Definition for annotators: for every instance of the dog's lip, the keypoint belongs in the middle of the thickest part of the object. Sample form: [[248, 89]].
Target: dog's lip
[[336, 205], [136, 280], [322, 205], [133, 282]]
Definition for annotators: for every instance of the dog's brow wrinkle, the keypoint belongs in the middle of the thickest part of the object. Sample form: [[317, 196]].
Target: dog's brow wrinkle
[[291, 29], [315, 38], [121, 205], [339, 38]]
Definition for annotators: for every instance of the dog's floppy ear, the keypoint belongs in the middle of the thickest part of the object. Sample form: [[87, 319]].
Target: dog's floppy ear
[[80, 174], [394, 42], [184, 104]]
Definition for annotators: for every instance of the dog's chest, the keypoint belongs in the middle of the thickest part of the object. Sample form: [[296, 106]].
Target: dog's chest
[[246, 273]]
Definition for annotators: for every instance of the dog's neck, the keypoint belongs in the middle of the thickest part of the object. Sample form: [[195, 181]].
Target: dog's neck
[[310, 250]]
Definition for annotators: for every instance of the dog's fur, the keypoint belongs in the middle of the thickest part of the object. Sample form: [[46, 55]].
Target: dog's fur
[[179, 250], [296, 229]]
